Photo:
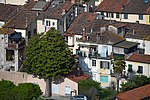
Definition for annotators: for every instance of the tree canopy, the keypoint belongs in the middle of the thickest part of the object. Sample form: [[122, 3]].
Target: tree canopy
[[136, 81], [23, 91], [48, 55], [93, 90], [118, 65]]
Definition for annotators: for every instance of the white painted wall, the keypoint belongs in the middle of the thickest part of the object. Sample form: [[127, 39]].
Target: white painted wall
[[2, 1], [118, 50], [70, 40], [16, 2], [19, 77], [76, 37], [1, 24], [40, 26], [97, 2], [22, 31], [147, 44], [131, 18], [55, 23], [100, 46], [146, 67], [2, 50]]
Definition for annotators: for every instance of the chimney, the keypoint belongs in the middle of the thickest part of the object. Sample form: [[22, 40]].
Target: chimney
[[84, 34], [63, 11], [133, 32], [73, 1]]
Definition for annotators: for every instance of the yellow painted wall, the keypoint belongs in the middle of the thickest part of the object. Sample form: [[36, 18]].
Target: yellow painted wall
[[147, 19]]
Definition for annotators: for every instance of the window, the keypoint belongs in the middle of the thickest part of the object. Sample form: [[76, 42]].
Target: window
[[145, 1], [125, 16], [104, 51], [104, 64], [53, 23], [117, 15], [103, 78], [107, 14], [102, 13], [47, 23], [140, 70], [129, 68], [93, 62], [140, 17], [10, 55], [67, 90], [112, 15]]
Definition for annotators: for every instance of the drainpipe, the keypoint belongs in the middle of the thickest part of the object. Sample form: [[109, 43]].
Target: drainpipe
[[148, 70]]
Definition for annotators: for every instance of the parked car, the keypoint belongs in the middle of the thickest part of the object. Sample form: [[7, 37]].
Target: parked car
[[78, 97]]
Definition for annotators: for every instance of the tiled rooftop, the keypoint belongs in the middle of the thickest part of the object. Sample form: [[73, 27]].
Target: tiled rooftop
[[56, 12], [90, 22], [142, 58], [124, 6], [126, 44], [140, 93], [8, 11], [21, 20], [79, 78], [106, 37]]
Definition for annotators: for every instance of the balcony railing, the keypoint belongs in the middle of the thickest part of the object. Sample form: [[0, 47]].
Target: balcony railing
[[93, 54], [14, 45]]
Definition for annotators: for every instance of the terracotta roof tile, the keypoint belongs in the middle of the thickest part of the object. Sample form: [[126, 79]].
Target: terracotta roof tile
[[106, 37], [8, 11], [135, 94], [124, 6], [78, 78], [112, 5], [57, 11], [90, 22], [21, 20], [143, 58]]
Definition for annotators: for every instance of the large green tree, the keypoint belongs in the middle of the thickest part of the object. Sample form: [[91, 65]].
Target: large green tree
[[118, 67], [48, 57]]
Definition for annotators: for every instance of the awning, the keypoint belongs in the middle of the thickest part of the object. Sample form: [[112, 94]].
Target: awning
[[126, 44], [15, 36]]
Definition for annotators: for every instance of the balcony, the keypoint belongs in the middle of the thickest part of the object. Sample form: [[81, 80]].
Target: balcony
[[93, 54], [16, 45]]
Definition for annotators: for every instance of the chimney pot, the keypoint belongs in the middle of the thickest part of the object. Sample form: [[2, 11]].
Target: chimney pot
[[84, 36]]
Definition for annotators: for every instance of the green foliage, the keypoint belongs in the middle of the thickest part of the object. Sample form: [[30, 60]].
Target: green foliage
[[48, 55], [118, 65], [89, 88], [136, 81], [6, 89], [27, 91], [24, 91], [93, 90], [106, 94]]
